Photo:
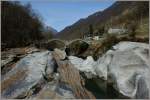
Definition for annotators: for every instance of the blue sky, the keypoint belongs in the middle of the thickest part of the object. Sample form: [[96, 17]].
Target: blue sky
[[61, 13]]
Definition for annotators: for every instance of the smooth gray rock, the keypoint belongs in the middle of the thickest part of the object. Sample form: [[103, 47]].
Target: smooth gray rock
[[27, 73], [87, 66], [121, 67], [129, 60], [53, 90]]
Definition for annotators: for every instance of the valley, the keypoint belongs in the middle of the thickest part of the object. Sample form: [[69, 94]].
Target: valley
[[102, 56]]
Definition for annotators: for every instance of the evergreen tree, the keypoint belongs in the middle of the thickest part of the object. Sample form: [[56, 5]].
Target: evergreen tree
[[91, 30]]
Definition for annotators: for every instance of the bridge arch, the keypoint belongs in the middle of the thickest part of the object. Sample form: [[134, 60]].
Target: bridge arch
[[70, 42], [76, 47], [56, 43], [59, 40]]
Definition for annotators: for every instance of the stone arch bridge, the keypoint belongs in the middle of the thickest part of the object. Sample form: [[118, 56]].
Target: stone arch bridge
[[66, 42]]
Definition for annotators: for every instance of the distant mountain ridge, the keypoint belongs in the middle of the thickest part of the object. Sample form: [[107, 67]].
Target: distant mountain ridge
[[100, 18], [49, 32], [54, 31]]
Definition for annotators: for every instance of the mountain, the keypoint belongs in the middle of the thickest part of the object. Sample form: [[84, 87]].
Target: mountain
[[118, 14], [49, 32], [54, 31]]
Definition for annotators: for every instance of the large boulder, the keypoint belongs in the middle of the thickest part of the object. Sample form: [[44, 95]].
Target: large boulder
[[94, 70], [86, 66], [128, 69], [70, 76], [54, 90], [123, 71], [61, 54], [10, 57], [124, 68], [26, 74]]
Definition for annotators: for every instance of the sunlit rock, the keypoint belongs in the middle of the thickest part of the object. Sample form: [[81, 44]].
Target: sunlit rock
[[128, 68], [54, 90], [87, 66], [61, 54], [27, 72], [125, 67], [11, 56]]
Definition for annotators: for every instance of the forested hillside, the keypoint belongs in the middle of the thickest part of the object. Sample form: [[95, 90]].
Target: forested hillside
[[21, 25], [126, 14]]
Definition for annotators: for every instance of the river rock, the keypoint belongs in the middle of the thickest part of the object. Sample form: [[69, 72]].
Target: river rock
[[128, 69], [7, 60], [61, 54], [96, 70], [11, 56], [86, 66], [54, 90], [71, 77], [125, 67], [26, 73]]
